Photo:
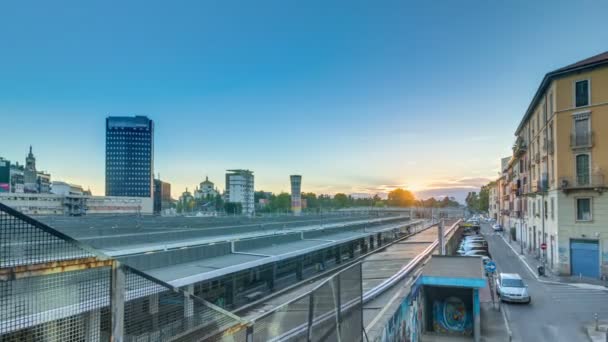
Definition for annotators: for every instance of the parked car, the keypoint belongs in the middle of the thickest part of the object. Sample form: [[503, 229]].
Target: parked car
[[497, 228], [473, 238], [469, 244], [510, 287], [478, 253]]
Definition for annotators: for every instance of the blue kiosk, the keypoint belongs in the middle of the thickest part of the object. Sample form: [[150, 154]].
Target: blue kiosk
[[450, 295]]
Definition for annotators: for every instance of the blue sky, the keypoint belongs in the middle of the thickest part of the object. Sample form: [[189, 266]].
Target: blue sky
[[357, 96]]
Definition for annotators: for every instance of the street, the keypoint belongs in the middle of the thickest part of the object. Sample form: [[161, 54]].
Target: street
[[557, 311]]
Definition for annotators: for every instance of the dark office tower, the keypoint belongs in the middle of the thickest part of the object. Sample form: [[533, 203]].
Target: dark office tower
[[129, 156]]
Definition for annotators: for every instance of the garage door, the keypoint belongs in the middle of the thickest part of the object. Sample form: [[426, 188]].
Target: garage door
[[584, 256]]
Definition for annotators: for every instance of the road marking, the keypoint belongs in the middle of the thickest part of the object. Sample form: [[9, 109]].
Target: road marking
[[523, 259], [505, 317]]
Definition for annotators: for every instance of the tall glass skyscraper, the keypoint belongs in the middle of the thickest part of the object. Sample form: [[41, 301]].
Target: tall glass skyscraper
[[129, 156]]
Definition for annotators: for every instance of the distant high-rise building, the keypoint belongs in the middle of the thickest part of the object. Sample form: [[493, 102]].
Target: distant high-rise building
[[162, 195], [296, 194], [129, 156], [43, 182], [17, 178], [5, 175], [30, 176], [239, 189]]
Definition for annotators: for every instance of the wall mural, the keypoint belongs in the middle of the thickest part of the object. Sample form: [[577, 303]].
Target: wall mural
[[450, 316], [406, 323]]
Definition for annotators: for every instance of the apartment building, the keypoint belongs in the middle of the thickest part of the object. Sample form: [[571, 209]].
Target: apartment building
[[556, 175], [239, 189]]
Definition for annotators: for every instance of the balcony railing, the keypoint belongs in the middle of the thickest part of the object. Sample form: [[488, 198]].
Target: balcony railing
[[542, 185], [519, 147], [594, 181], [583, 140]]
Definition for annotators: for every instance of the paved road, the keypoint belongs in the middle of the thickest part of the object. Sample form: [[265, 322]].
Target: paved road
[[557, 311]]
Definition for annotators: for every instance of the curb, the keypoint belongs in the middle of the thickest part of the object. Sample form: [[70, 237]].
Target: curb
[[523, 259]]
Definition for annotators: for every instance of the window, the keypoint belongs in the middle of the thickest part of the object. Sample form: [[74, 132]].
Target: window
[[583, 209], [582, 169], [550, 104], [581, 96], [552, 208], [582, 130]]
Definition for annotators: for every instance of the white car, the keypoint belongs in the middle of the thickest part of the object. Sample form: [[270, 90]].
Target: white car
[[511, 288], [497, 228]]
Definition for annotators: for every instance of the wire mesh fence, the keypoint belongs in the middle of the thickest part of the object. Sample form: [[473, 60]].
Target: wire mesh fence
[[332, 311], [53, 288]]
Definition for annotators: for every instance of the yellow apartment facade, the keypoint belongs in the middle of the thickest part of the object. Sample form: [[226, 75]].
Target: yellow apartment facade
[[556, 177]]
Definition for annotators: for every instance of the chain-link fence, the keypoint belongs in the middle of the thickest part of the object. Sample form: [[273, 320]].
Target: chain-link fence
[[53, 288], [332, 311]]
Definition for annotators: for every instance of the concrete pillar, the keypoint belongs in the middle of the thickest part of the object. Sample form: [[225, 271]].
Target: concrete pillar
[[188, 302], [371, 242], [231, 290], [117, 302], [351, 251], [363, 246], [476, 316], [153, 310], [299, 268], [338, 254], [441, 237], [273, 276], [379, 238], [93, 326]]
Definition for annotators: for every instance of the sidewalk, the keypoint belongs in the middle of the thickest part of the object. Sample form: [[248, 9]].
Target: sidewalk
[[597, 335], [494, 326], [532, 262]]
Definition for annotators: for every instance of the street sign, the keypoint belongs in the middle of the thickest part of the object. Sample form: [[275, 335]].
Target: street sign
[[491, 266], [543, 246]]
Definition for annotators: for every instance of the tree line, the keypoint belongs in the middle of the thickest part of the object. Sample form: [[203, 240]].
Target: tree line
[[479, 202], [316, 203]]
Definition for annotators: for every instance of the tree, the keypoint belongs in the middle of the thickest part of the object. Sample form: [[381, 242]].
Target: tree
[[233, 208], [219, 202], [312, 203], [340, 200], [401, 198], [484, 197], [472, 201], [281, 202]]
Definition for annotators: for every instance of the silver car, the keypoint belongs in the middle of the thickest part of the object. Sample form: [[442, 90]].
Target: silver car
[[511, 288]]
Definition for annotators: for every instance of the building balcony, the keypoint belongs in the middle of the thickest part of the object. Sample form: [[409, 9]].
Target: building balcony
[[594, 182], [519, 147], [584, 140]]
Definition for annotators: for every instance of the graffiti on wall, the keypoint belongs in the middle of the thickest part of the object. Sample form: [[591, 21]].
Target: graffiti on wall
[[563, 255], [406, 322], [450, 316]]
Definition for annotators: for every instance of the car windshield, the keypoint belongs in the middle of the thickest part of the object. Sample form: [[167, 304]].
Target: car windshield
[[512, 283]]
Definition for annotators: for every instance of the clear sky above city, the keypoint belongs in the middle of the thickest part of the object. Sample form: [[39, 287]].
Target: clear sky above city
[[357, 96]]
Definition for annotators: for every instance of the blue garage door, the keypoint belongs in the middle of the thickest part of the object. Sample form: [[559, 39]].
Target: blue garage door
[[584, 256]]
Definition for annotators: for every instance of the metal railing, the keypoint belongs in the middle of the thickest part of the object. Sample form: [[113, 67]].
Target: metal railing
[[349, 309], [54, 288], [593, 181], [582, 140], [331, 311]]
